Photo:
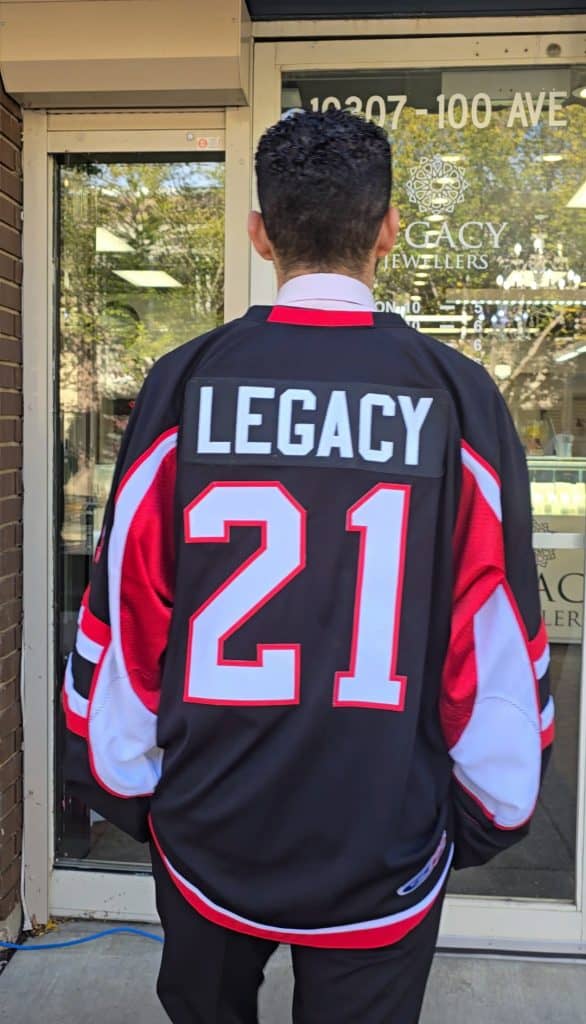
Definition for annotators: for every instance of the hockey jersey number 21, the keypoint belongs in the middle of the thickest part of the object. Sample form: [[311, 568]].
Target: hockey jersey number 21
[[310, 663]]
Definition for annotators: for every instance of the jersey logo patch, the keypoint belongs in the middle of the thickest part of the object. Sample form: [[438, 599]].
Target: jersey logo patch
[[312, 423], [426, 871]]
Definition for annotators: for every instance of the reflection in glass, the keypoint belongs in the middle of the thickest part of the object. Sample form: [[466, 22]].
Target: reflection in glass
[[489, 179], [141, 270], [488, 176]]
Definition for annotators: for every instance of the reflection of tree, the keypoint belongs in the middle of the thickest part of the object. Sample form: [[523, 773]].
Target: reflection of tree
[[168, 217], [507, 182], [534, 370]]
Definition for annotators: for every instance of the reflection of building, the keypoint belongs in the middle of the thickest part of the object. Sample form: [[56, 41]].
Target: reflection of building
[[540, 267], [558, 495], [145, 210], [534, 344]]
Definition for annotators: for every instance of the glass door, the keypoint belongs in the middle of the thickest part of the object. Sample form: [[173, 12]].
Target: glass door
[[488, 176], [140, 246], [135, 230]]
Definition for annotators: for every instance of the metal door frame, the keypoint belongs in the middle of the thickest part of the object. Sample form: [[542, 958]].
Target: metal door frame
[[50, 890]]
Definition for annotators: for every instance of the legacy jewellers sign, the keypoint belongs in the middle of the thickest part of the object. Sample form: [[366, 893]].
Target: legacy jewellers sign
[[561, 580], [438, 186]]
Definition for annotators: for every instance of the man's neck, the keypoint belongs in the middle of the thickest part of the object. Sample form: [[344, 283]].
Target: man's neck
[[365, 275], [326, 290]]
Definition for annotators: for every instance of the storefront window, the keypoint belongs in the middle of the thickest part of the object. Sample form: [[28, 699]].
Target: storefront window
[[141, 270], [490, 181], [488, 175]]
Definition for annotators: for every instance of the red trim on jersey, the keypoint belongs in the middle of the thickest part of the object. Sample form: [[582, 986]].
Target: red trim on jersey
[[480, 567], [539, 643], [547, 736], [359, 938], [486, 465], [261, 648], [489, 814], [479, 559], [145, 455], [304, 317], [92, 627], [478, 538], [147, 583], [459, 684], [523, 629], [75, 723]]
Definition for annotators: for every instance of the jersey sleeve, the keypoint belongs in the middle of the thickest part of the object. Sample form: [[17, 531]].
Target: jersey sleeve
[[496, 710], [112, 681]]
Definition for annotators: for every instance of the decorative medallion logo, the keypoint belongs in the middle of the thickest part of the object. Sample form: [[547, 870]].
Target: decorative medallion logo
[[543, 556], [436, 185]]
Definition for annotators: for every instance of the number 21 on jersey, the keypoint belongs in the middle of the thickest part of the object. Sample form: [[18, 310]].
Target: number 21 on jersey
[[380, 517]]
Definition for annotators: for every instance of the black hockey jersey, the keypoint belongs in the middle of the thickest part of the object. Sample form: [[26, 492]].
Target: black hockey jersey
[[312, 650]]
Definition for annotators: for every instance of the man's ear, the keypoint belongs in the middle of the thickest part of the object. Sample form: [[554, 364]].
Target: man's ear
[[258, 235], [387, 235]]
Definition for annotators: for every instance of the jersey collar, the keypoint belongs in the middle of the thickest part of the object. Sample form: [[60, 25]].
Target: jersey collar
[[324, 300]]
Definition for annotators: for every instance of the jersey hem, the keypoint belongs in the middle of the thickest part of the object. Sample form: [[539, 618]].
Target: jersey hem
[[372, 934]]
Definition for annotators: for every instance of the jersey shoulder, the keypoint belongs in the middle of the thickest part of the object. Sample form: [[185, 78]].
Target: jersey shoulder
[[466, 379], [480, 409], [179, 361], [464, 373], [159, 404]]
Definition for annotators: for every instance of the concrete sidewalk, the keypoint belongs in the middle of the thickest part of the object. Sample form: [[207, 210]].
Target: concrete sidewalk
[[111, 982]]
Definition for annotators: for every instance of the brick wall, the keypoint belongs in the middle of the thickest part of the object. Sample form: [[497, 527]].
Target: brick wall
[[10, 510]]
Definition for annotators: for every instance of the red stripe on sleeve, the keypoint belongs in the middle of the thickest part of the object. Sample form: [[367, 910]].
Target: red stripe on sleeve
[[145, 455], [486, 465], [479, 567], [75, 723], [539, 643], [147, 587], [548, 736], [94, 628]]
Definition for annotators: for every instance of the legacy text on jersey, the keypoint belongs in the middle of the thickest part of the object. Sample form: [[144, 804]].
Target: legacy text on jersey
[[325, 424]]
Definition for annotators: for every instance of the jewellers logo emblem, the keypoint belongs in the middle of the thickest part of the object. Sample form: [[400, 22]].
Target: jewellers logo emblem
[[436, 185], [543, 556]]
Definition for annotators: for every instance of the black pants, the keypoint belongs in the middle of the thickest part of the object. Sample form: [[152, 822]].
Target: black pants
[[210, 975]]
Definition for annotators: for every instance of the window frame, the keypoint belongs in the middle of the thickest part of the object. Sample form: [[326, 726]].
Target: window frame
[[48, 889]]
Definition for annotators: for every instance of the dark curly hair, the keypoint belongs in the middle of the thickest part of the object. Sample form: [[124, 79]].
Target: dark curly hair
[[324, 186]]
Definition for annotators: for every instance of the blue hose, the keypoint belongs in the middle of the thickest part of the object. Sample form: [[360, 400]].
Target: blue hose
[[80, 942]]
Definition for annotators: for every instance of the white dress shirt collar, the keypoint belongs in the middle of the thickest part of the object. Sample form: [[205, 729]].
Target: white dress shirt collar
[[326, 291]]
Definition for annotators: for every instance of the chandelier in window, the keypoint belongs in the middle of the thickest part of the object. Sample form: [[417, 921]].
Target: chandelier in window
[[539, 268]]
